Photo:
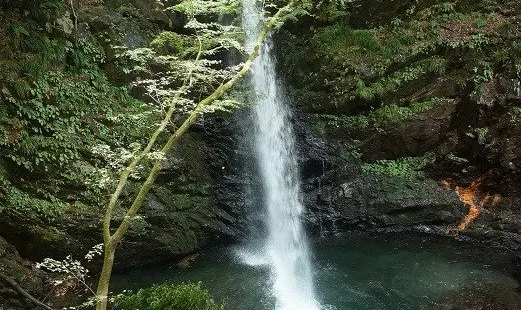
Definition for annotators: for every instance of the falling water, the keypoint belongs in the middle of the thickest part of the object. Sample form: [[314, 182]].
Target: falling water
[[286, 248]]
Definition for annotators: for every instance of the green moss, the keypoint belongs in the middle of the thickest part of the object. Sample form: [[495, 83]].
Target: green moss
[[405, 167], [168, 43], [383, 118]]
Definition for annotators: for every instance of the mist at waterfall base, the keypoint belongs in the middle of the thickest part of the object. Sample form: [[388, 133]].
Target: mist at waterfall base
[[351, 272]]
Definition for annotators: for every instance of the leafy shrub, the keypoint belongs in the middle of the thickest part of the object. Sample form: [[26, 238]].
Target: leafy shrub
[[56, 106], [186, 296]]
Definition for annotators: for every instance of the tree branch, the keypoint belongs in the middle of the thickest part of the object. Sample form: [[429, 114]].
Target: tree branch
[[128, 170], [192, 118], [23, 292]]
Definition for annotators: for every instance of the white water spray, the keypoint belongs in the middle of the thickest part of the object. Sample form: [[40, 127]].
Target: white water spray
[[286, 249]]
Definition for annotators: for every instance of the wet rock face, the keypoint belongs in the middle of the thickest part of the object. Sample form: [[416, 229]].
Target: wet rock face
[[339, 195], [379, 201], [425, 133]]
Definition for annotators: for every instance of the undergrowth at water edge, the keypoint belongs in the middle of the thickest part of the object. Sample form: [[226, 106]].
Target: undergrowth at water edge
[[185, 296]]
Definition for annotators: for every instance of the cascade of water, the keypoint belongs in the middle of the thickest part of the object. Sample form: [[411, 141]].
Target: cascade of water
[[286, 245]]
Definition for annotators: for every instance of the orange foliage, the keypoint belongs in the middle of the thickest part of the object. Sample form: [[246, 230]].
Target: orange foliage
[[472, 197]]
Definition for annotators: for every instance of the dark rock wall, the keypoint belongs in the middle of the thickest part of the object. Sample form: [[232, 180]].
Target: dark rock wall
[[367, 103]]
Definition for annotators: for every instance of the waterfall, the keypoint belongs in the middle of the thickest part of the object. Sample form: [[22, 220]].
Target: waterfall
[[285, 248]]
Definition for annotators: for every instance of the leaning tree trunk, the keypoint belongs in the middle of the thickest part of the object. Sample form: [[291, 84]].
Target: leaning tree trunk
[[102, 291], [111, 240]]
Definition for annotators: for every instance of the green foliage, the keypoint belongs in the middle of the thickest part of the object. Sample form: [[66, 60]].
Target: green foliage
[[483, 72], [204, 7], [186, 296], [481, 134], [440, 11], [29, 207], [168, 43], [42, 53], [87, 54], [62, 114], [19, 31], [399, 79], [351, 152], [385, 117], [339, 36], [56, 106], [392, 114], [405, 167], [482, 21], [515, 115], [394, 46], [329, 10]]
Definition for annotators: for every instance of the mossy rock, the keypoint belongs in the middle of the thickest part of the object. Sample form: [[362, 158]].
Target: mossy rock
[[168, 43]]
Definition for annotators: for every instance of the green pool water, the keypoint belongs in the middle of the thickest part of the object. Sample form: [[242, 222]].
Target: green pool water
[[351, 272]]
